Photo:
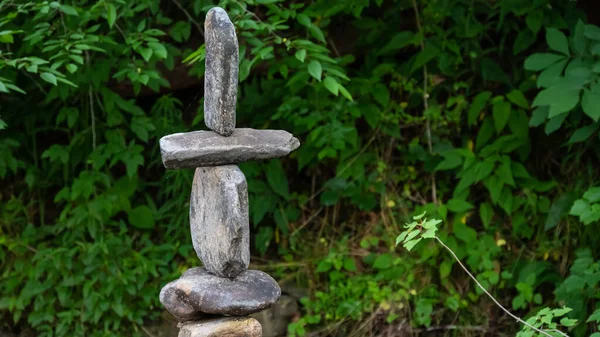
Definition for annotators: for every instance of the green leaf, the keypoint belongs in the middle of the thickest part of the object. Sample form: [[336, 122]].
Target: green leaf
[[590, 102], [304, 20], [551, 75], [3, 87], [315, 69], [452, 159], [459, 206], [411, 244], [111, 14], [595, 317], [557, 41], [592, 194], [501, 113], [517, 98], [583, 133], [524, 40], [537, 62], [486, 213], [345, 92], [71, 68], [141, 217], [592, 32], [477, 105], [534, 20], [557, 211], [332, 85], [554, 123], [301, 54], [69, 10], [383, 261], [146, 53], [397, 42], [381, 94], [427, 54], [277, 179], [558, 99], [48, 77], [494, 185]]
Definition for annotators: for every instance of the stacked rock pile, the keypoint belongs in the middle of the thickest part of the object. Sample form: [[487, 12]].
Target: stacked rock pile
[[219, 218]]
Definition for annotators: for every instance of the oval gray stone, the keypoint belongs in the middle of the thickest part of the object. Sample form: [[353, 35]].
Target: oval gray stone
[[219, 221], [221, 74], [199, 292]]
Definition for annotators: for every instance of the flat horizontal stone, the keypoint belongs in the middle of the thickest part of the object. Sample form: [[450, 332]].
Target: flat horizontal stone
[[219, 221], [222, 327], [197, 291], [207, 148]]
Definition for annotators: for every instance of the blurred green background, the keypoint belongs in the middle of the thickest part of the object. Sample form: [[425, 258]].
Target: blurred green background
[[484, 113]]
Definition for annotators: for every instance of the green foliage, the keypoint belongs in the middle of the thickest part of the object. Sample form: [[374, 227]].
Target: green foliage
[[545, 319], [91, 225]]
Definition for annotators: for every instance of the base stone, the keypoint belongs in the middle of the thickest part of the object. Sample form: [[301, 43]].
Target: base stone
[[222, 327]]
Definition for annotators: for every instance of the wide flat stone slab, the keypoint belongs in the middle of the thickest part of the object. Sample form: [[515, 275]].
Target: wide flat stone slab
[[222, 327], [219, 221], [207, 148], [199, 292]]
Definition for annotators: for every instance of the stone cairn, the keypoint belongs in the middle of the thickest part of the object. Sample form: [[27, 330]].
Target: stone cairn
[[219, 218]]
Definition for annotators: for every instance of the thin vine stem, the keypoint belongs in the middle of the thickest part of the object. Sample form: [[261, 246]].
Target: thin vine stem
[[425, 99], [518, 319]]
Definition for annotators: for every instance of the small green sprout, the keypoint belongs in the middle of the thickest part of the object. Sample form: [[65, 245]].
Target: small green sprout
[[419, 229]]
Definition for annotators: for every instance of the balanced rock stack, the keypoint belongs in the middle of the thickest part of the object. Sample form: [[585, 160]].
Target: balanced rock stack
[[219, 218]]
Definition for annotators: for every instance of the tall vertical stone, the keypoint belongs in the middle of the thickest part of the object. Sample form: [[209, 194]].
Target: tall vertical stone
[[221, 74], [219, 219]]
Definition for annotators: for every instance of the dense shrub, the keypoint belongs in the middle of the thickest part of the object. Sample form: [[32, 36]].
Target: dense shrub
[[483, 113]]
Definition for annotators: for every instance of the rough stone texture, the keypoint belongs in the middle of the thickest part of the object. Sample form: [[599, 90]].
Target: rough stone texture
[[198, 291], [206, 148], [223, 327], [219, 219], [221, 74]]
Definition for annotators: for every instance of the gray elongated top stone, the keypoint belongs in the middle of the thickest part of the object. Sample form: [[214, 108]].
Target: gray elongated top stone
[[219, 221], [221, 74], [206, 148]]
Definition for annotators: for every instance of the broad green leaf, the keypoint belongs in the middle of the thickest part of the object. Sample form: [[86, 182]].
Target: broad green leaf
[[554, 123], [504, 172], [397, 42], [579, 40], [141, 217], [557, 41], [590, 103], [501, 113], [592, 32], [332, 85], [485, 132], [69, 10], [558, 99], [477, 105], [304, 20], [71, 68], [558, 210], [524, 40], [315, 69], [411, 244], [111, 14], [384, 261], [537, 62], [381, 94], [301, 54], [551, 75], [459, 206], [583, 133], [595, 317], [3, 87], [592, 194], [146, 53], [484, 169], [486, 213], [452, 160], [277, 179], [48, 77], [517, 98], [494, 185], [535, 20], [426, 55]]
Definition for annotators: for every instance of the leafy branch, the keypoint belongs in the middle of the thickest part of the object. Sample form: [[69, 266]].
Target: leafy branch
[[421, 228]]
